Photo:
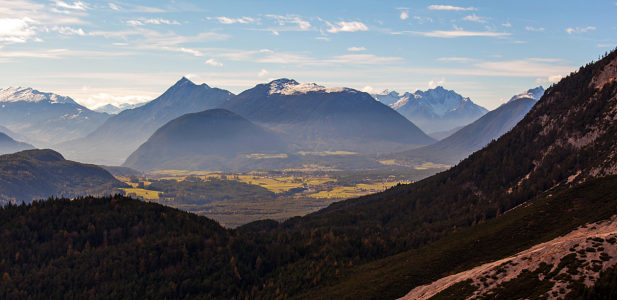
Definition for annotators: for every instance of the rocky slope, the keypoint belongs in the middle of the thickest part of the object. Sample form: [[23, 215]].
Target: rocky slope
[[112, 142], [576, 258]]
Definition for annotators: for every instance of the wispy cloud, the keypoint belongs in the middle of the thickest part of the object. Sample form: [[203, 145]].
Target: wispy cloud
[[283, 20], [356, 49], [114, 7], [76, 5], [449, 7], [579, 30], [142, 22], [475, 18], [68, 30], [422, 20], [436, 82], [529, 28], [214, 62], [458, 33], [243, 20], [365, 59], [347, 27], [507, 24]]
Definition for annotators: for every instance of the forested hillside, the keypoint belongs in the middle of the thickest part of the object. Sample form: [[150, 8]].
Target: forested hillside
[[38, 174]]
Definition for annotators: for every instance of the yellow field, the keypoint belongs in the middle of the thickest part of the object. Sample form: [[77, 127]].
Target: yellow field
[[338, 192], [146, 194], [377, 185], [430, 165], [388, 162], [271, 184]]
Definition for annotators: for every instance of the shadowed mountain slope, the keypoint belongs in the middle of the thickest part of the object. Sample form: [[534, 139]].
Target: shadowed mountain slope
[[474, 136], [320, 118], [201, 140], [116, 139]]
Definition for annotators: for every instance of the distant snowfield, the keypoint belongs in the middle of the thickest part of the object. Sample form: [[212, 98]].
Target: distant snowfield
[[15, 94], [550, 253], [292, 87]]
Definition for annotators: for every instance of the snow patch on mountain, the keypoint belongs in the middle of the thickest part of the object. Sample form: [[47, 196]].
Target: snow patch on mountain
[[535, 93], [386, 97], [16, 94], [292, 87]]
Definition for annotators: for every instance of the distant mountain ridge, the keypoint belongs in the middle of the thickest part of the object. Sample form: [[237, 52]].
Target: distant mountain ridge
[[200, 141], [118, 108], [320, 118], [116, 139], [435, 110], [9, 145], [46, 118]]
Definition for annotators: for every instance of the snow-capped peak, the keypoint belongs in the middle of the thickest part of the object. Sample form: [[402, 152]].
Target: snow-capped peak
[[291, 87], [535, 94], [15, 94]]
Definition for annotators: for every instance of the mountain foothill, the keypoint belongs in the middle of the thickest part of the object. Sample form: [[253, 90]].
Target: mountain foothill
[[547, 181]]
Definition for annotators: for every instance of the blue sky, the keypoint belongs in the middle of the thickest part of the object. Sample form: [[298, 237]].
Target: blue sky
[[116, 51]]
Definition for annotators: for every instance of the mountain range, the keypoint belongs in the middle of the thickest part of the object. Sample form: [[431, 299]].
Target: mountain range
[[478, 134], [320, 118], [113, 141], [46, 118], [435, 110], [495, 226], [114, 109], [200, 141]]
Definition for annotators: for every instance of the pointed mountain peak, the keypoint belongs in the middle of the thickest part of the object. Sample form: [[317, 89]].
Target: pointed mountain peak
[[184, 82], [535, 93]]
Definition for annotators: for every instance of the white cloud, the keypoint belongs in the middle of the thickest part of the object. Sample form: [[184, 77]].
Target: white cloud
[[323, 38], [475, 18], [579, 30], [102, 99], [214, 62], [114, 7], [356, 49], [191, 51], [534, 29], [266, 51], [404, 15], [243, 20], [16, 30], [76, 5], [433, 84], [554, 78], [449, 7], [458, 33], [68, 30], [283, 20], [347, 26], [262, 73], [507, 24], [369, 89], [134, 23], [607, 45]]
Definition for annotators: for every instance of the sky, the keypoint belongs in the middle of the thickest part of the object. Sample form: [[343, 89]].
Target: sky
[[100, 52]]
